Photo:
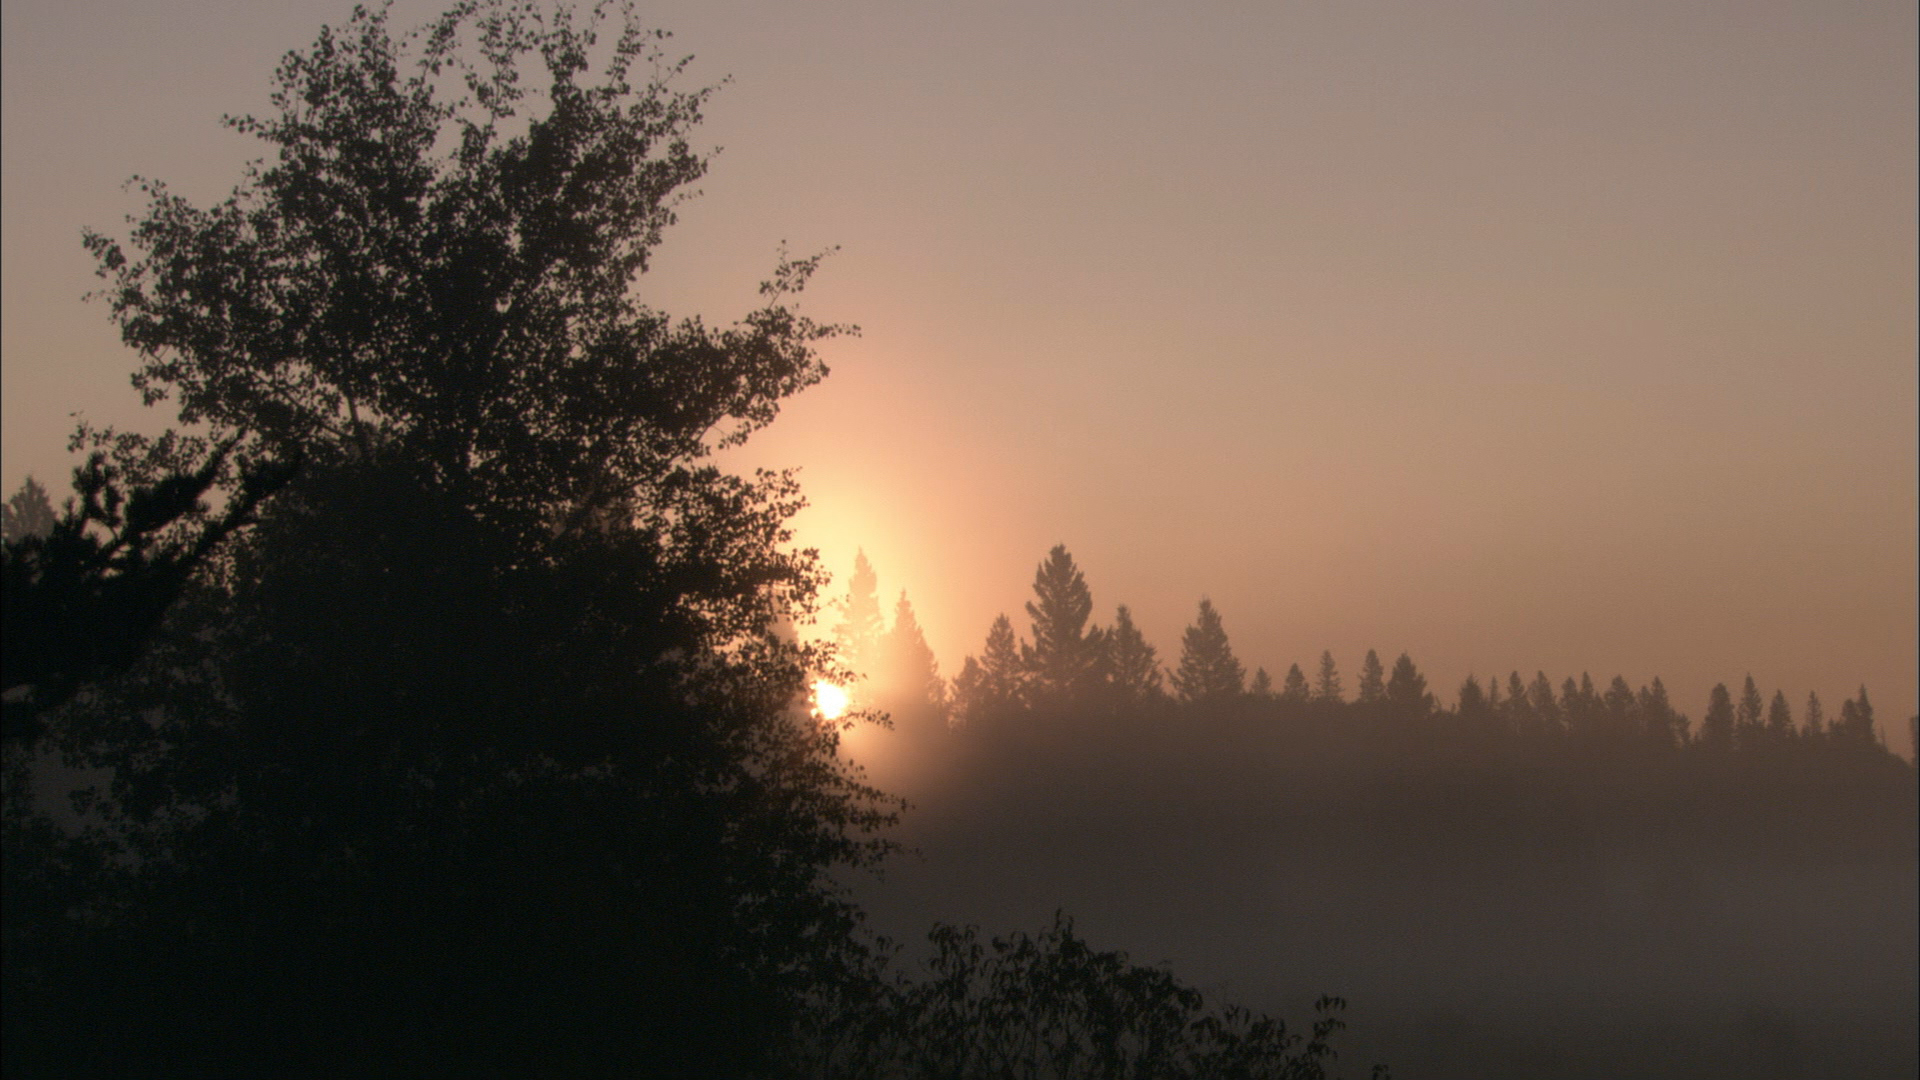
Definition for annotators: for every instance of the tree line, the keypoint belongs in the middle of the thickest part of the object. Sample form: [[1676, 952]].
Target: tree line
[[1068, 663]]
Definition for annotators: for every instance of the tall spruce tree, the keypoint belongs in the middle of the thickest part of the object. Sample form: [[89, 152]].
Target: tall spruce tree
[[1208, 671], [1063, 660], [1779, 718], [1406, 689], [1326, 686], [861, 623], [1855, 728], [1749, 714], [995, 685], [1814, 721], [1717, 726], [907, 682], [1373, 681], [1261, 688], [1621, 707], [1657, 718], [28, 512], [1542, 704], [1294, 687], [1519, 710], [1132, 666]]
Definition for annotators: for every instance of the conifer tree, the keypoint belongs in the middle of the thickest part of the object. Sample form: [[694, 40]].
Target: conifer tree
[[27, 513], [1855, 728], [1208, 671], [1261, 688], [861, 623], [1540, 701], [1573, 708], [1064, 656], [1814, 725], [1747, 716], [1373, 686], [1519, 710], [1620, 705], [1471, 706], [1406, 690], [995, 684], [1132, 666], [1294, 687], [1779, 718], [908, 679], [1716, 728], [1326, 687], [1657, 717]]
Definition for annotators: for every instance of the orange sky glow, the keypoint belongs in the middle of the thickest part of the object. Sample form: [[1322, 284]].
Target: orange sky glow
[[1519, 335]]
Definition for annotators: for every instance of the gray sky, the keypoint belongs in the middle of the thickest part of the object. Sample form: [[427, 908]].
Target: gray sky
[[1511, 335]]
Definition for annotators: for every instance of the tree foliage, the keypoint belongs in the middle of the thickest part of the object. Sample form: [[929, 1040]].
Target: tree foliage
[[1063, 660], [1050, 1005], [482, 753], [1208, 670]]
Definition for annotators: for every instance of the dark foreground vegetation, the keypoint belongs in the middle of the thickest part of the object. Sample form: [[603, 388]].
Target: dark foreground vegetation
[[420, 705]]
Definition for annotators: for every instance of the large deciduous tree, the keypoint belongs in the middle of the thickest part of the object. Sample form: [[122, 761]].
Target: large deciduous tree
[[483, 753]]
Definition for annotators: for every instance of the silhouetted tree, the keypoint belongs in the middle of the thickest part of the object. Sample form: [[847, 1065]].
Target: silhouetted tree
[[1716, 727], [1472, 707], [1049, 1005], [1748, 727], [1373, 685], [861, 624], [1326, 687], [1578, 706], [1779, 718], [1621, 707], [1260, 688], [1663, 727], [1406, 691], [1294, 687], [1520, 715], [28, 512], [1208, 671], [994, 685], [907, 676], [1541, 704], [1814, 724], [1855, 729], [84, 591], [481, 754], [1063, 660], [1132, 667]]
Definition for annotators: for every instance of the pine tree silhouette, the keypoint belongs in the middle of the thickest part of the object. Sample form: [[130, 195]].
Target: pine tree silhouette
[[1294, 687], [1373, 686], [1064, 656], [1208, 671], [861, 623], [1326, 687], [1406, 690], [1716, 727], [1132, 666]]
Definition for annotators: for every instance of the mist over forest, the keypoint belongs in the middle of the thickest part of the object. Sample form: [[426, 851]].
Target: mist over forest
[[1529, 881], [433, 683]]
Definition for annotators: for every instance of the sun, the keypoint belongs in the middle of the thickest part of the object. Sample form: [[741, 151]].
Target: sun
[[829, 701]]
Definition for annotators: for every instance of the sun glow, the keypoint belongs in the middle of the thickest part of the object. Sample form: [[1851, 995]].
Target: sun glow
[[829, 701]]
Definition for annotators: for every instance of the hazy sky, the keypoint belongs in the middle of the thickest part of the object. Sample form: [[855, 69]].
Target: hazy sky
[[1510, 335]]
